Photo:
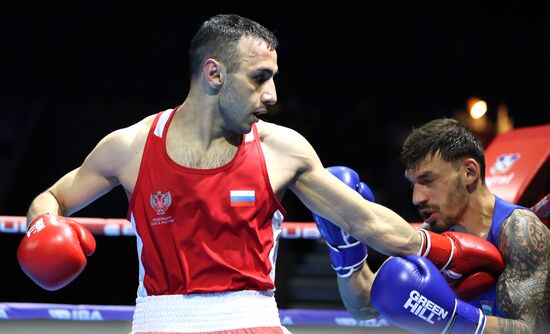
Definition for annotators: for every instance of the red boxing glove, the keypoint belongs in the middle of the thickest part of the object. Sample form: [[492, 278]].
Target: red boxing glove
[[53, 251], [469, 263], [473, 285]]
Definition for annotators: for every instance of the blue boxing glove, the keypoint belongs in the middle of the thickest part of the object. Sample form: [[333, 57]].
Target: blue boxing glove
[[347, 255], [411, 293]]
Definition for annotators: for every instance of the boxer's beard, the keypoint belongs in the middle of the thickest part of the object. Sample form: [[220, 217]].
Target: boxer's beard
[[455, 201]]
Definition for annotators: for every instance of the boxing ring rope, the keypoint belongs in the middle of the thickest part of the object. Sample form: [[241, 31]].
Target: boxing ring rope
[[115, 227], [122, 227]]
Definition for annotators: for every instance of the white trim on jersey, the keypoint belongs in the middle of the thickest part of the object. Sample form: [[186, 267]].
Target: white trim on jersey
[[159, 129], [249, 136], [276, 226], [142, 291]]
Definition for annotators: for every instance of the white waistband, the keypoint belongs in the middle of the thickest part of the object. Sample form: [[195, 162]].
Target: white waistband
[[205, 312]]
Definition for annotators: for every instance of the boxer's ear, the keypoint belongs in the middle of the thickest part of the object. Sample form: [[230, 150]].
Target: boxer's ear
[[471, 171], [213, 73]]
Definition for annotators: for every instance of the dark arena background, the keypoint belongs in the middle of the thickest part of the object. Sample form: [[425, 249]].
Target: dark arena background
[[353, 82]]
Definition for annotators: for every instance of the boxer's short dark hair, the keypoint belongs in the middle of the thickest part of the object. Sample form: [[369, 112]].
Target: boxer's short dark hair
[[452, 140], [218, 38]]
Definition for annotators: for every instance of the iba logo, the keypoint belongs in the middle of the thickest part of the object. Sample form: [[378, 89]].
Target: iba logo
[[160, 202], [504, 163]]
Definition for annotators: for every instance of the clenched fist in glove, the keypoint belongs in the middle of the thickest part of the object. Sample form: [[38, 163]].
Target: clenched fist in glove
[[347, 255], [411, 293], [53, 251], [469, 263]]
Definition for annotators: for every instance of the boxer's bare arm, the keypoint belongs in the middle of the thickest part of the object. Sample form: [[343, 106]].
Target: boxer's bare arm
[[355, 293], [523, 288], [292, 162], [107, 165], [84, 184]]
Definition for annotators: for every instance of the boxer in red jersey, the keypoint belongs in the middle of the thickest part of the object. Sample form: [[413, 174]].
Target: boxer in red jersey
[[205, 180]]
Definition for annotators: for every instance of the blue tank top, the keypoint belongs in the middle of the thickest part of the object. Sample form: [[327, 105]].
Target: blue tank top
[[488, 301]]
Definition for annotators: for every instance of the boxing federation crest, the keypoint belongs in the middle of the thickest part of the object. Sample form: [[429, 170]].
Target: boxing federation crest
[[160, 202]]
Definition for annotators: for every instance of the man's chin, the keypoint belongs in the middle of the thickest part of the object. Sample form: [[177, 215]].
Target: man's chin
[[438, 227]]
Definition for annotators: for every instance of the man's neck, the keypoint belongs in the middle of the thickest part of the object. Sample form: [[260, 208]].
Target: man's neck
[[199, 125], [478, 217]]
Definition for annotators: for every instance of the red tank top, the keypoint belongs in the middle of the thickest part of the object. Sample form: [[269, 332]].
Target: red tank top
[[204, 230]]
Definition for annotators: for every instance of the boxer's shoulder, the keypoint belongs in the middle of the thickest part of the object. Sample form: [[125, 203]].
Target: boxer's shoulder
[[286, 146], [119, 153], [520, 219], [524, 214], [130, 138], [287, 154], [147, 122], [278, 136], [122, 148], [523, 234], [269, 131]]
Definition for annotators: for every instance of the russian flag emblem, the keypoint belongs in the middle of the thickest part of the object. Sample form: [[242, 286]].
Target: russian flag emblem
[[243, 197]]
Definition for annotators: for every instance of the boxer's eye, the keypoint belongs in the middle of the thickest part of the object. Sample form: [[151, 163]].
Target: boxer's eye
[[260, 79], [262, 75], [425, 181]]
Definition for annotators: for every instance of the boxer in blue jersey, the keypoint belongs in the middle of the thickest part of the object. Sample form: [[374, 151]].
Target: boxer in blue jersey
[[446, 168]]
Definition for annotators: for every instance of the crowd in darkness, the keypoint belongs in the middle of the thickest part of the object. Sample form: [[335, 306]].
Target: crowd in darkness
[[353, 83]]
